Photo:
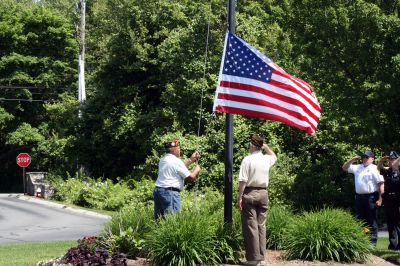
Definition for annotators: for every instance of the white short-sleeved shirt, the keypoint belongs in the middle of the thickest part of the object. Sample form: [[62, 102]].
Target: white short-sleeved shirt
[[366, 179], [171, 172], [254, 169]]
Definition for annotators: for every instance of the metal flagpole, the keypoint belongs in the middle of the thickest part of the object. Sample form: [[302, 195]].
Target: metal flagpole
[[229, 135]]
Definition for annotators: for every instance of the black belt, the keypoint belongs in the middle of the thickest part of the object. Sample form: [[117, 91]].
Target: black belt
[[256, 188], [367, 194], [170, 188]]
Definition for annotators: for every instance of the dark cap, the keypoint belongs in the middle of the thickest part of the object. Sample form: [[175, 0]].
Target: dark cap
[[256, 140], [171, 144], [368, 154], [393, 155]]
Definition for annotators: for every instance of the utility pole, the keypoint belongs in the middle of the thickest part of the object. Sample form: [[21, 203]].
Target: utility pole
[[81, 69], [81, 79], [229, 136]]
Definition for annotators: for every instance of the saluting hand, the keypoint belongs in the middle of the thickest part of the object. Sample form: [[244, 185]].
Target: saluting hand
[[385, 158], [195, 156]]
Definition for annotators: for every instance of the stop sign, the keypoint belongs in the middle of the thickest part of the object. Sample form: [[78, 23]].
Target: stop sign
[[23, 159]]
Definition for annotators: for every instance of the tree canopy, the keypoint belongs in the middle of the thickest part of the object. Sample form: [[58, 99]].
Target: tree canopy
[[149, 66]]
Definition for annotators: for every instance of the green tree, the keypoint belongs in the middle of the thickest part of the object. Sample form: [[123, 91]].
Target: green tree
[[37, 61]]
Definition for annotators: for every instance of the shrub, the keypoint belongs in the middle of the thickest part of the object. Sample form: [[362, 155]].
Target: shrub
[[330, 234], [197, 235], [229, 239], [142, 191], [68, 191], [278, 219], [108, 196], [183, 239], [126, 229]]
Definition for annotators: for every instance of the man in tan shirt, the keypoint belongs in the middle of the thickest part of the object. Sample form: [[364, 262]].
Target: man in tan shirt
[[253, 198]]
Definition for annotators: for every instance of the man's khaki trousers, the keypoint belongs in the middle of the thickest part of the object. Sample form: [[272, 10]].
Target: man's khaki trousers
[[254, 212]]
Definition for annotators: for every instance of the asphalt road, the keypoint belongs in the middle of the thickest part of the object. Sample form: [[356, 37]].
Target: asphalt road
[[23, 219]]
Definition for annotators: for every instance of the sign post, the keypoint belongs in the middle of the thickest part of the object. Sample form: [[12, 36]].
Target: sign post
[[23, 160]]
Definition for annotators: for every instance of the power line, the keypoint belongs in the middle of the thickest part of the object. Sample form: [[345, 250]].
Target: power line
[[31, 87], [22, 100]]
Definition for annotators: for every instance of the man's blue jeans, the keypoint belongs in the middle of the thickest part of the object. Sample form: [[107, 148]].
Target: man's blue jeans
[[166, 201]]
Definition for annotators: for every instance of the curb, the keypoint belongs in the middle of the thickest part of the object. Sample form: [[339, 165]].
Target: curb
[[57, 205]]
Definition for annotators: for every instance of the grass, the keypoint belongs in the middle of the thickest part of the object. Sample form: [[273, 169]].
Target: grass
[[28, 254], [105, 212], [383, 252]]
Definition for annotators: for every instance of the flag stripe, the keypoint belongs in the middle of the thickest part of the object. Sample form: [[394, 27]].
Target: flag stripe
[[297, 81], [284, 98], [269, 87], [290, 88], [264, 109], [249, 100], [268, 116], [280, 82]]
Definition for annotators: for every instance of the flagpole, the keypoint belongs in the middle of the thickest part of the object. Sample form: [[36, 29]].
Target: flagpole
[[229, 135]]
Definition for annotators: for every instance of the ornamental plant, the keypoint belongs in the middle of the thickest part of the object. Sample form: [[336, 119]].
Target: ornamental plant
[[184, 239], [278, 218], [328, 234]]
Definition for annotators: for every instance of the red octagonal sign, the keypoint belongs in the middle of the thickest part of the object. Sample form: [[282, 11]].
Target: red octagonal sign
[[23, 159]]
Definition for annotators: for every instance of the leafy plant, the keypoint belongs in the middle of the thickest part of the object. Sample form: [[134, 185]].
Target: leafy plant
[[127, 241], [80, 256], [183, 239], [69, 191], [88, 243], [229, 239], [329, 234], [125, 232], [278, 219]]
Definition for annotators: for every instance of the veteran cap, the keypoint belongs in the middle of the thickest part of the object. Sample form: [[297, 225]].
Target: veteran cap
[[171, 144], [368, 154], [393, 155], [256, 140]]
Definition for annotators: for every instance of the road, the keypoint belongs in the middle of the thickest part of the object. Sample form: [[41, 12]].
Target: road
[[36, 220]]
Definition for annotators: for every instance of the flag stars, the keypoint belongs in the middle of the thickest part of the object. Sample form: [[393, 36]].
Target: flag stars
[[243, 60]]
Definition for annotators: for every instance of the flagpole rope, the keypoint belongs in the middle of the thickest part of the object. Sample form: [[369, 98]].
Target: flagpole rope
[[204, 73]]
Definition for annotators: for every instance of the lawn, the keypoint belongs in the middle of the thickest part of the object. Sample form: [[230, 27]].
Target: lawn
[[28, 254], [384, 253]]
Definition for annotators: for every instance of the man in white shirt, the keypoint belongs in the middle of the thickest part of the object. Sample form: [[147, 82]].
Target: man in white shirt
[[253, 198], [369, 189], [172, 173]]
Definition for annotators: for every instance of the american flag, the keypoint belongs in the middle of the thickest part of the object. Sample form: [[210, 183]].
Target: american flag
[[251, 84]]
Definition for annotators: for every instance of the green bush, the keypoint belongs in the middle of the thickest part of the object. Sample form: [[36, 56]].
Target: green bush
[[183, 239], [197, 235], [108, 196], [68, 191], [126, 230], [142, 191], [102, 195], [329, 234], [229, 239], [278, 219], [139, 217]]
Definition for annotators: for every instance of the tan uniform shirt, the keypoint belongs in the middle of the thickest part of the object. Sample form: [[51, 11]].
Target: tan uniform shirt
[[254, 169]]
